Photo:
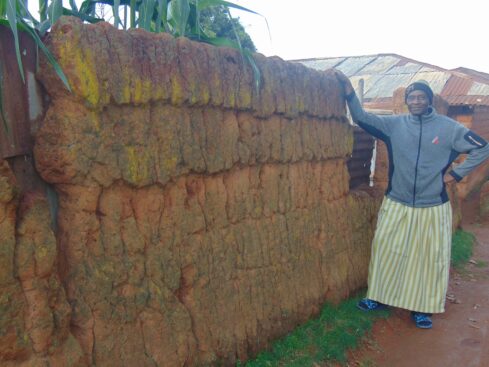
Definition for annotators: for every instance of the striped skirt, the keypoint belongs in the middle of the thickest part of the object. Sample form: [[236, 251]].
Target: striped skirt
[[410, 260]]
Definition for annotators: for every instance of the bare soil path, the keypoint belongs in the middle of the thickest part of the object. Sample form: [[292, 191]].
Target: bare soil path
[[460, 336]]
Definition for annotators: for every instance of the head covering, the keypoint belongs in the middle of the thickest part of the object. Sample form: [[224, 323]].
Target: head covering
[[422, 86]]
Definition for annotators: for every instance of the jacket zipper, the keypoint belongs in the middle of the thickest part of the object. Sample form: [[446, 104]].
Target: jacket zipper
[[417, 159]]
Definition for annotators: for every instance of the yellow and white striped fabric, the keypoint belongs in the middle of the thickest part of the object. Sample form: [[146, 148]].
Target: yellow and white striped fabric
[[410, 261]]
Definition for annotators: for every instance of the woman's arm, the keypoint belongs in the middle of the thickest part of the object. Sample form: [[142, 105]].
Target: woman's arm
[[379, 126], [477, 148]]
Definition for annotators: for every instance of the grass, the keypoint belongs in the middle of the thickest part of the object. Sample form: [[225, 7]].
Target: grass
[[338, 329], [324, 339], [481, 264], [462, 245]]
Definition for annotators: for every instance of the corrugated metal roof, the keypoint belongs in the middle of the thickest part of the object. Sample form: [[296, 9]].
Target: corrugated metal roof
[[457, 86], [409, 68], [352, 65], [386, 85], [379, 65], [479, 89], [436, 79], [477, 75], [322, 64], [384, 73]]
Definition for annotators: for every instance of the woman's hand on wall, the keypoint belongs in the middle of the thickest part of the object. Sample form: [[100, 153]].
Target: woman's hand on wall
[[344, 81]]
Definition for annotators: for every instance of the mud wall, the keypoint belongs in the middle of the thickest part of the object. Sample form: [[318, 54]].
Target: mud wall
[[198, 219]]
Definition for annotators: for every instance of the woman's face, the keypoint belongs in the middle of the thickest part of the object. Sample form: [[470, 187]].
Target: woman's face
[[418, 102]]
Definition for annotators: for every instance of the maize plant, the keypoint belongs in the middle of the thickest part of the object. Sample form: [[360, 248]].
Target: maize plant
[[177, 17]]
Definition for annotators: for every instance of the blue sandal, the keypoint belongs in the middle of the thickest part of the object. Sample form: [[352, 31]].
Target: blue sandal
[[370, 305], [422, 320]]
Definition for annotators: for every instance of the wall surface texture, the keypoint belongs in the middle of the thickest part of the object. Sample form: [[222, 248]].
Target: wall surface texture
[[198, 219]]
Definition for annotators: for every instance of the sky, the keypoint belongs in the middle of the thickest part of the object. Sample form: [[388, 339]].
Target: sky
[[448, 34]]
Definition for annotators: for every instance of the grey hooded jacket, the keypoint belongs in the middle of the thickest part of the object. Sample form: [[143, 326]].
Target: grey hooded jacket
[[421, 149]]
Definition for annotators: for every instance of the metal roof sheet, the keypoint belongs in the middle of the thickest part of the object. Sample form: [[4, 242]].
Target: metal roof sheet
[[379, 65], [322, 64], [409, 68], [457, 86], [479, 89], [352, 65], [368, 81], [436, 79], [386, 85], [477, 75], [384, 73]]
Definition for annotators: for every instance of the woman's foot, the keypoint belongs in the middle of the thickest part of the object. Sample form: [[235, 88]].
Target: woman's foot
[[422, 320], [370, 305]]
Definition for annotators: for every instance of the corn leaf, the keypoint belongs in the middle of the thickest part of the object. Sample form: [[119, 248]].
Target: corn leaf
[[74, 8], [2, 113], [235, 33], [3, 8], [55, 10], [132, 14], [247, 54], [197, 18], [85, 17], [52, 61], [146, 11], [12, 19], [26, 13], [115, 10], [256, 70], [180, 11], [162, 16], [87, 8], [43, 10]]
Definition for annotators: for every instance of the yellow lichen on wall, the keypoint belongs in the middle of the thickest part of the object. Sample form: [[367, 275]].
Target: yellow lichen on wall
[[137, 165], [81, 63]]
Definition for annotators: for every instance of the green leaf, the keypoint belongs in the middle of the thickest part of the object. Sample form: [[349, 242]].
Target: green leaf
[[2, 112], [132, 13], [248, 55], [74, 8], [55, 10], [26, 13], [12, 19], [197, 18], [43, 10], [180, 11], [85, 17], [3, 8], [43, 27], [146, 11], [87, 8], [115, 10], [255, 68], [234, 31], [203, 4], [26, 28], [162, 14]]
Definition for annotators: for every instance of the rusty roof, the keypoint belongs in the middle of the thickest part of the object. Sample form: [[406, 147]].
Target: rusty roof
[[384, 73]]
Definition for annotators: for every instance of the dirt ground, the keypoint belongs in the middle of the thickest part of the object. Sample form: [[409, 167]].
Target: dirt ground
[[460, 336]]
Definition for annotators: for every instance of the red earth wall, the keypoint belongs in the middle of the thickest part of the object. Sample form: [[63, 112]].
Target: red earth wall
[[198, 219]]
